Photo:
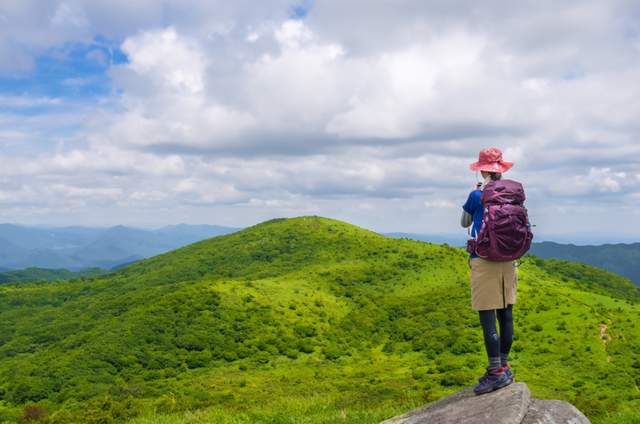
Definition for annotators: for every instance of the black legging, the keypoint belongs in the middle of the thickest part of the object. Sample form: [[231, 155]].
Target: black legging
[[497, 344]]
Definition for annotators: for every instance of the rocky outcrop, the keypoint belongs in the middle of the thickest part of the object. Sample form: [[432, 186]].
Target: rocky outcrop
[[510, 405], [553, 412]]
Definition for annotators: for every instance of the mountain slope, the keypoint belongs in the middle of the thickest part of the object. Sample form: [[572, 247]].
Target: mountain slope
[[119, 245], [47, 238], [451, 239], [623, 259], [45, 274], [305, 317], [10, 252], [183, 234], [77, 248]]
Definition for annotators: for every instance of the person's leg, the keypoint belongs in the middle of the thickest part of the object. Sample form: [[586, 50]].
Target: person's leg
[[495, 377], [505, 318], [491, 338]]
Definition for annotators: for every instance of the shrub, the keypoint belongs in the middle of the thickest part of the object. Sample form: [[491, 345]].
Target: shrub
[[34, 413], [455, 378], [305, 347], [331, 352], [230, 356]]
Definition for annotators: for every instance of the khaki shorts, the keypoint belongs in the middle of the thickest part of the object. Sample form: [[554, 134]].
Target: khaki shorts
[[493, 284]]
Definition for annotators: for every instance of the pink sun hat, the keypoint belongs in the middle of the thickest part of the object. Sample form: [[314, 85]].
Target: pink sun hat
[[490, 160]]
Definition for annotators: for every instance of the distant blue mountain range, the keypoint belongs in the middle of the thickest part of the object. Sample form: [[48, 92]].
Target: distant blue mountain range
[[76, 248], [620, 258], [79, 248]]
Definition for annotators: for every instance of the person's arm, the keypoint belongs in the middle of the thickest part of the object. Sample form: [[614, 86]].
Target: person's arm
[[466, 219], [469, 208]]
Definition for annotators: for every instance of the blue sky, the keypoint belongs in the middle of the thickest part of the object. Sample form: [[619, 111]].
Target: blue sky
[[158, 112], [74, 71]]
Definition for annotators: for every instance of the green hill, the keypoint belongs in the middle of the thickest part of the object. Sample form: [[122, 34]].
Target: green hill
[[45, 274], [305, 320]]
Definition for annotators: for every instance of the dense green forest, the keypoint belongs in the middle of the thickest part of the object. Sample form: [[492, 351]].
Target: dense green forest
[[45, 274], [305, 320]]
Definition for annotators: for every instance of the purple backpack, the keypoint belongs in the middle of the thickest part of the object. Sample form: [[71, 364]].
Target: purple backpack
[[505, 233]]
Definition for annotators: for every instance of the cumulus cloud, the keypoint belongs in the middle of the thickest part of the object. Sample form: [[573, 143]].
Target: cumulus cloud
[[596, 180], [362, 110], [30, 27], [164, 95], [312, 90], [167, 61]]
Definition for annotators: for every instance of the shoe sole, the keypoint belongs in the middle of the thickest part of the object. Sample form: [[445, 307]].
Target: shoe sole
[[505, 384]]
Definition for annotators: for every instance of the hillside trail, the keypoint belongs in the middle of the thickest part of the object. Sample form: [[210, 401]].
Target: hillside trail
[[605, 338]]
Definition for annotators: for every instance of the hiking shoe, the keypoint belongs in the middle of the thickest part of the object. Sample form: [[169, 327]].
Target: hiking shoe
[[506, 369], [492, 382]]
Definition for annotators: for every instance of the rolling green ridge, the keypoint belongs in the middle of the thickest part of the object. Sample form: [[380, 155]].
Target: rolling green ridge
[[305, 320], [623, 259], [45, 274]]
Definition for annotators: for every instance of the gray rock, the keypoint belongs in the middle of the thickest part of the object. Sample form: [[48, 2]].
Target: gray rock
[[510, 405], [553, 412]]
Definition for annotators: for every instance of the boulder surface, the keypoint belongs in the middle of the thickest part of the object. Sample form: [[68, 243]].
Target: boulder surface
[[510, 405]]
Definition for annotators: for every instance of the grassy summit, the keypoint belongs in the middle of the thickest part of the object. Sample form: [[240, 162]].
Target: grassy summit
[[305, 320]]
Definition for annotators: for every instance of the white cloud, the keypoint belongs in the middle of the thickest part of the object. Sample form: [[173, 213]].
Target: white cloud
[[440, 204], [400, 94], [605, 180], [164, 96], [292, 34], [236, 109], [19, 195], [206, 192], [69, 14], [87, 192], [252, 37], [597, 180], [298, 88], [169, 61]]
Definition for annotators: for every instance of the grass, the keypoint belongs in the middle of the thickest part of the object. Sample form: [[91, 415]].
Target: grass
[[306, 320]]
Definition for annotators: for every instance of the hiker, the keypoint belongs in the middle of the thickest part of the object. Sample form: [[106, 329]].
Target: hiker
[[493, 282]]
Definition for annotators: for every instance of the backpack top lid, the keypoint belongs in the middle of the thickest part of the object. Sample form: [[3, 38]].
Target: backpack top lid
[[503, 192]]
